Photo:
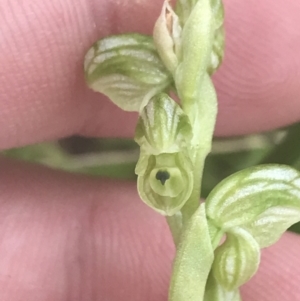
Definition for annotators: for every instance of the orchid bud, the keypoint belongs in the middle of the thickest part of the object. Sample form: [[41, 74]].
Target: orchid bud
[[167, 37]]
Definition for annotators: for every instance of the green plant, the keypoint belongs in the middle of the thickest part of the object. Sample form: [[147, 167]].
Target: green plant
[[251, 208]]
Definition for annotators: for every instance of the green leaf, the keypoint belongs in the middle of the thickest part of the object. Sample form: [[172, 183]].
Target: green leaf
[[163, 127], [165, 181], [236, 260], [214, 291], [240, 199], [127, 69], [193, 260]]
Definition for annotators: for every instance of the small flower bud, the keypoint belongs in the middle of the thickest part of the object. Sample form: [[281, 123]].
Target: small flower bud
[[167, 37]]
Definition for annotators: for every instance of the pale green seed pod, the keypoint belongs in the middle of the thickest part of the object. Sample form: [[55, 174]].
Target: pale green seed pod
[[127, 69], [163, 127], [166, 182]]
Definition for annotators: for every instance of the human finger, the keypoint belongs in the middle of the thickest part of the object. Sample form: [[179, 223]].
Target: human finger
[[71, 237], [43, 95]]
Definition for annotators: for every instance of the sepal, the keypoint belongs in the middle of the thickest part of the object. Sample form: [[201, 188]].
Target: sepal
[[127, 69], [163, 127]]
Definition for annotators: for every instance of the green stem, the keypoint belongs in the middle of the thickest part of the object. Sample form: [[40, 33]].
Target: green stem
[[202, 112], [175, 225], [194, 201]]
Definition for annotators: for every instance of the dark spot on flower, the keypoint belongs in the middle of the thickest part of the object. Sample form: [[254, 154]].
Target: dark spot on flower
[[162, 176]]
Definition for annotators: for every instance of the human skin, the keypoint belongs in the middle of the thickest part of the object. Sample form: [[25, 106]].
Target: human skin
[[70, 237]]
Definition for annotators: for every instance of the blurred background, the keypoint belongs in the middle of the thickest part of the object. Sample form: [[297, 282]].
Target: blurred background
[[116, 158]]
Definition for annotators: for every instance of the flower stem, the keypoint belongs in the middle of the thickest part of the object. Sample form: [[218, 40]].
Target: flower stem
[[175, 225], [194, 201], [202, 112]]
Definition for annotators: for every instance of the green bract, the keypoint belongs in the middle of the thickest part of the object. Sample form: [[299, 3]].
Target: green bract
[[193, 260], [127, 69]]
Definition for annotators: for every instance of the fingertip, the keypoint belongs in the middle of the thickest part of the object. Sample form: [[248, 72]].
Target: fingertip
[[278, 276], [43, 94], [257, 83]]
